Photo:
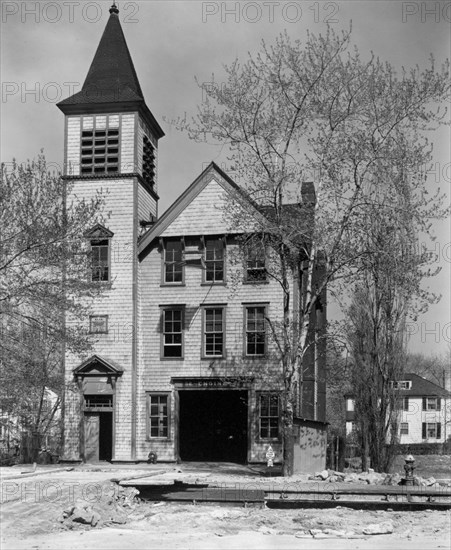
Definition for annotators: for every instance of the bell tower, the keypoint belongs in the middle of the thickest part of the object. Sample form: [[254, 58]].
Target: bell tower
[[110, 144]]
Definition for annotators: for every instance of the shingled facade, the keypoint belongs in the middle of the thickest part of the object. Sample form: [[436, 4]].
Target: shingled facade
[[183, 364]]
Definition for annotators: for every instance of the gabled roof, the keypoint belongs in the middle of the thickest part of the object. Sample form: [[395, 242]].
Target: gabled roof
[[421, 386], [112, 80], [211, 172], [97, 364], [98, 232]]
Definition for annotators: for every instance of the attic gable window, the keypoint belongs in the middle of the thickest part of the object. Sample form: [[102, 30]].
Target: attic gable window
[[148, 167], [100, 152]]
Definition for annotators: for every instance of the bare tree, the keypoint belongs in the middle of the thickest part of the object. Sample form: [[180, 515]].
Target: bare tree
[[318, 111], [435, 368], [44, 263]]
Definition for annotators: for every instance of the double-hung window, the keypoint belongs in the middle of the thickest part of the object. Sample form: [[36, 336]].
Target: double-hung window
[[172, 321], [269, 415], [431, 403], [173, 262], [214, 331], [255, 329], [255, 264], [100, 260], [214, 260], [431, 430], [158, 415], [404, 428]]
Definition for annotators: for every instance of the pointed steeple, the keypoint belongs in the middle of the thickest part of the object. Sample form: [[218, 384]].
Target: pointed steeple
[[111, 82]]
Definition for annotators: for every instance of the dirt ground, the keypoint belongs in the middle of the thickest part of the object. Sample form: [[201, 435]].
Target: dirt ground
[[31, 518]]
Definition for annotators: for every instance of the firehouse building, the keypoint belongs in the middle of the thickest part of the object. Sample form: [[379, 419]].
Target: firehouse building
[[182, 363]]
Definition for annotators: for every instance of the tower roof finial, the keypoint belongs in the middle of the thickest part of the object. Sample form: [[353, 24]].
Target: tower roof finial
[[114, 8]]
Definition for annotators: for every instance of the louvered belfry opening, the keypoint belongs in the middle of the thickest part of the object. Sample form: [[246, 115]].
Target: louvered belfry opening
[[148, 170], [100, 151]]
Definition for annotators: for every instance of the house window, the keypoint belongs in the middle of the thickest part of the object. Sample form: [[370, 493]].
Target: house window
[[269, 416], [100, 151], [403, 403], [158, 415], [431, 403], [148, 168], [255, 330], [214, 332], [100, 260], [173, 332], [98, 324], [431, 430], [402, 385], [214, 261], [173, 262], [404, 428], [255, 265]]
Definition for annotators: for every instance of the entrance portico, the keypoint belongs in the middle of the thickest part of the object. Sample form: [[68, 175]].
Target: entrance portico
[[96, 378]]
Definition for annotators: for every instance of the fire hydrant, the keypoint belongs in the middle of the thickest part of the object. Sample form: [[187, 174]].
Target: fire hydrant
[[270, 454], [409, 467]]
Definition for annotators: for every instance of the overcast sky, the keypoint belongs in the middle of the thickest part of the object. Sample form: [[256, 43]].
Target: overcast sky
[[47, 48]]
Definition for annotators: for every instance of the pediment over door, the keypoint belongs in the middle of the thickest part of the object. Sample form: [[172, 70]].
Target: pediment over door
[[98, 366]]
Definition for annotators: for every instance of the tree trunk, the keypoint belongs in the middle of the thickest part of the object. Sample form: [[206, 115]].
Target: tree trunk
[[288, 449]]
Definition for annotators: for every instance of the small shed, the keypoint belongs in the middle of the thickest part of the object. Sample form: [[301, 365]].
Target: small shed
[[310, 443]]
